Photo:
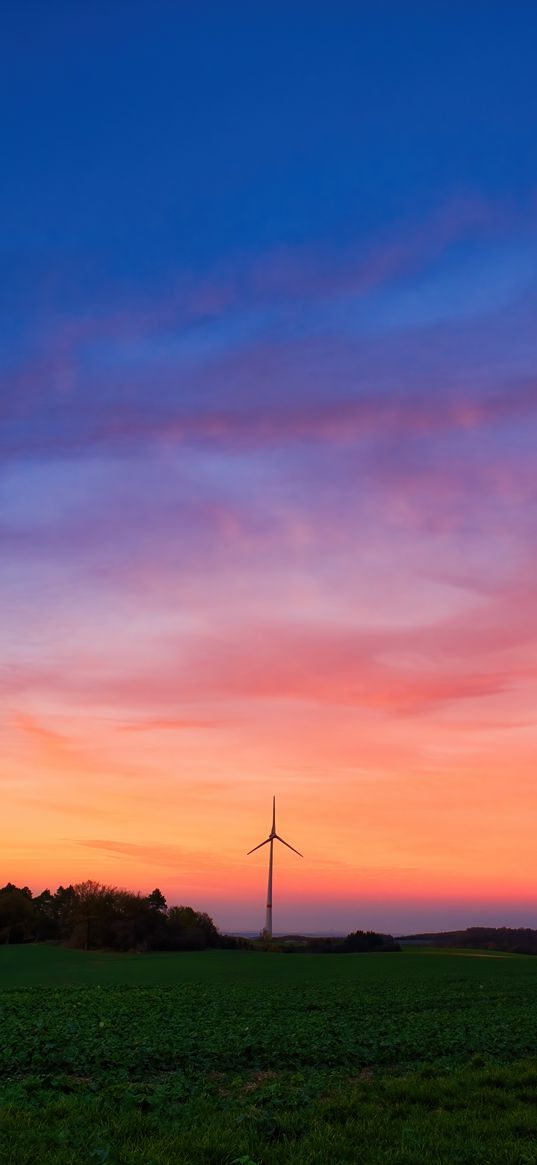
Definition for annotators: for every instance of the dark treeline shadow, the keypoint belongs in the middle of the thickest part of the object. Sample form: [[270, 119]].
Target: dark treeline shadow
[[93, 916], [520, 940]]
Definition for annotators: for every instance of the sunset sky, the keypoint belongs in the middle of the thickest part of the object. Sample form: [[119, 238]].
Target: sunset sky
[[269, 456]]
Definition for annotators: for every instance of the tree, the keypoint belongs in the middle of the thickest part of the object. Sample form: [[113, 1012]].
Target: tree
[[136, 924], [64, 908], [45, 916], [105, 916], [157, 901], [16, 914], [190, 930], [93, 909], [92, 915]]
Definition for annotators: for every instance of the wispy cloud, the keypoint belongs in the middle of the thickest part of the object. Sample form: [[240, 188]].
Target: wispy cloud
[[292, 349], [168, 725], [171, 857]]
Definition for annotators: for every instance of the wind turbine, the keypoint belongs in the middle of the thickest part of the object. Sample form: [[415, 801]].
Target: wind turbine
[[270, 839]]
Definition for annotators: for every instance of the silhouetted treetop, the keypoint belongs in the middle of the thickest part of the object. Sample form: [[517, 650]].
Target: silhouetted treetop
[[94, 915]]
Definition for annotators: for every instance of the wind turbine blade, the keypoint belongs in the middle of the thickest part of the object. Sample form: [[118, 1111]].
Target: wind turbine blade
[[273, 815], [252, 851], [289, 847]]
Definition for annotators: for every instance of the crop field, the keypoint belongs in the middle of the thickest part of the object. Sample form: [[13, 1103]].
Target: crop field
[[242, 1057]]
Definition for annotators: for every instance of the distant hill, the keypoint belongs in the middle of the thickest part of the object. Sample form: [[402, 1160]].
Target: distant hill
[[517, 940], [282, 937], [359, 941]]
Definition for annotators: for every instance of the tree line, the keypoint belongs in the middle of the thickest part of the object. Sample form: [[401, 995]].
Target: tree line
[[91, 915], [518, 940], [357, 942]]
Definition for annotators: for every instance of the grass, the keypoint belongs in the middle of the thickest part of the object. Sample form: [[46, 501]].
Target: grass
[[471, 1115], [44, 965], [237, 1057]]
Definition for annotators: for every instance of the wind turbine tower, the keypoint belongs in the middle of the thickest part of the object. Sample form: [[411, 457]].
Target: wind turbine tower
[[272, 837]]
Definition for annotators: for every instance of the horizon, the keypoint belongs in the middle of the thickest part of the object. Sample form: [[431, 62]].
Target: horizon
[[367, 915], [268, 488]]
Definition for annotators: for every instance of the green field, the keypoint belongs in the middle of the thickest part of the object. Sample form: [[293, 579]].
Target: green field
[[221, 1057]]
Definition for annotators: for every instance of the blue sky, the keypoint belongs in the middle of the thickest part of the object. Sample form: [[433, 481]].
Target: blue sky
[[142, 135]]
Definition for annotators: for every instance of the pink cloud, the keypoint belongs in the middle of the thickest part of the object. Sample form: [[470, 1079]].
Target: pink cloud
[[282, 663], [178, 725]]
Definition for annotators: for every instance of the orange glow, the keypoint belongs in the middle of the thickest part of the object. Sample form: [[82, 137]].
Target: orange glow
[[390, 814]]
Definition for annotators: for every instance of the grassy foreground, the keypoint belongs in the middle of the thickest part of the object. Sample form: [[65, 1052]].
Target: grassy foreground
[[227, 1057]]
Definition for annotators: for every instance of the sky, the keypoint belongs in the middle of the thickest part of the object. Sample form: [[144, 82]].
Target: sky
[[268, 421]]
